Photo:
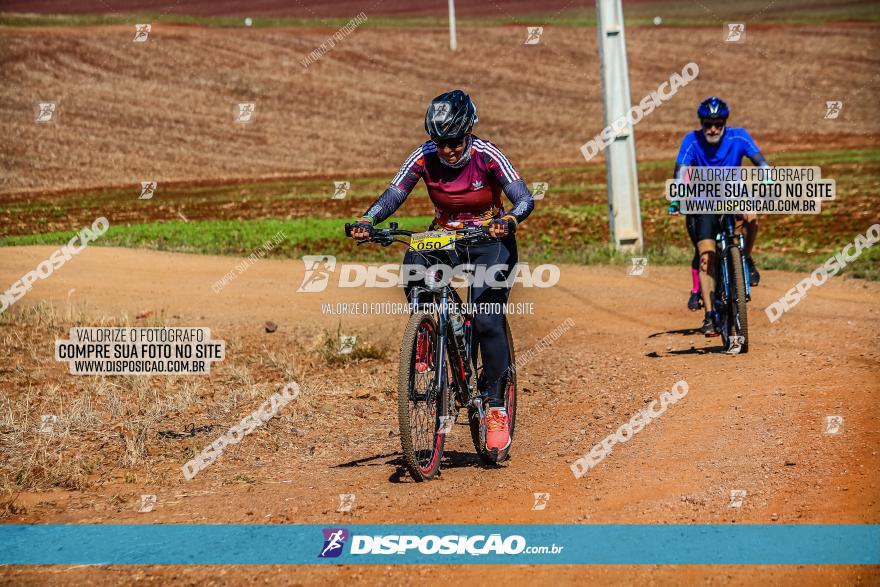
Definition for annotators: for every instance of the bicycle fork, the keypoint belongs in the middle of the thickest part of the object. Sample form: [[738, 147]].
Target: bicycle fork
[[737, 241], [745, 269]]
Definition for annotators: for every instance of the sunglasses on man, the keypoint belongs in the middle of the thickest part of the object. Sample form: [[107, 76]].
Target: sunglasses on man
[[719, 124]]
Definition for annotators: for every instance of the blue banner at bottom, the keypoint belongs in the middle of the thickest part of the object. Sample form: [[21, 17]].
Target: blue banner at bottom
[[615, 544]]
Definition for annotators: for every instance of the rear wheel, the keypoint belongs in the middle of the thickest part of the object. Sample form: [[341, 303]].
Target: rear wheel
[[510, 398], [420, 405], [737, 311]]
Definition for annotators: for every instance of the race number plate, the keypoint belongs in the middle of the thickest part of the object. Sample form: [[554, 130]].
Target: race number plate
[[434, 240]]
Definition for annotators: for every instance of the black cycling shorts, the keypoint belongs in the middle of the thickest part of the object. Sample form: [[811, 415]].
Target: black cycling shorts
[[489, 326], [703, 227]]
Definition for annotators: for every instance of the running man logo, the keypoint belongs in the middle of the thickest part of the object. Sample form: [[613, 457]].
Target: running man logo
[[45, 112], [147, 503], [736, 345], [47, 423], [541, 501], [832, 109], [148, 188], [446, 423], [334, 541], [346, 344], [736, 498], [142, 32], [539, 190], [736, 32], [833, 424], [346, 502], [340, 189], [246, 112], [639, 264], [534, 35], [441, 111], [317, 275]]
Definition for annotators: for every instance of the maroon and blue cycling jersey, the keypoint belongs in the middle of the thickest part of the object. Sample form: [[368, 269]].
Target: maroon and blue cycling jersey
[[465, 193]]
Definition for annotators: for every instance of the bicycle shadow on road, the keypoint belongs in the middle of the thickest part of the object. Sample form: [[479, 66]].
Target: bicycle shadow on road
[[452, 459], [688, 351], [683, 332], [691, 351], [365, 462], [398, 476]]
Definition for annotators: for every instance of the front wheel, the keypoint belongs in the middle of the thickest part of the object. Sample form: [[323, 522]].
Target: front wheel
[[737, 312], [421, 407], [478, 431]]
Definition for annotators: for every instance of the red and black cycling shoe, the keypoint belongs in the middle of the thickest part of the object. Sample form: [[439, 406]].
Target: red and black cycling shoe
[[709, 327], [497, 432]]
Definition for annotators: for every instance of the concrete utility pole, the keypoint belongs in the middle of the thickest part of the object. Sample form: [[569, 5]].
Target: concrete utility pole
[[453, 44], [624, 216]]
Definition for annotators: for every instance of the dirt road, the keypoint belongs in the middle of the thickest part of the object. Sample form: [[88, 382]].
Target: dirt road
[[753, 422]]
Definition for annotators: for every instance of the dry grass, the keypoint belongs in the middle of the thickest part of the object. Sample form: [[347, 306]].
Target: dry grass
[[33, 459], [107, 427], [363, 348]]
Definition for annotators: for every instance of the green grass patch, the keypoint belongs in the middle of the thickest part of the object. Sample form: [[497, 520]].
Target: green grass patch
[[325, 236], [217, 237], [569, 226]]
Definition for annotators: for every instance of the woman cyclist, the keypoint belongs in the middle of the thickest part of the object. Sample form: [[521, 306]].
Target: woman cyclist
[[465, 176]]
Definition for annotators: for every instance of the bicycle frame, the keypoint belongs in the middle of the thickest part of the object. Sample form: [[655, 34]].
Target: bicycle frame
[[448, 346], [724, 240], [451, 350]]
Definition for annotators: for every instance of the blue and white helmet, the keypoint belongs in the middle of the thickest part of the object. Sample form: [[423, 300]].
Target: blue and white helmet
[[713, 107]]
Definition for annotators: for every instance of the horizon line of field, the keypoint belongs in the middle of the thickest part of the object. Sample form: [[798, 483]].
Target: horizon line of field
[[238, 238], [574, 20], [827, 157]]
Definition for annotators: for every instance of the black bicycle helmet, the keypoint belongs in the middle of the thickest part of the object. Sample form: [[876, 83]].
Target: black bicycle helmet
[[450, 116]]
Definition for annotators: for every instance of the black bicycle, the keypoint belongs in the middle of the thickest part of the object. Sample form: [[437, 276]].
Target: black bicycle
[[441, 370], [732, 288]]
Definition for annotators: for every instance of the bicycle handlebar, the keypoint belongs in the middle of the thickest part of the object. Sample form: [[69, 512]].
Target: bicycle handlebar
[[392, 230]]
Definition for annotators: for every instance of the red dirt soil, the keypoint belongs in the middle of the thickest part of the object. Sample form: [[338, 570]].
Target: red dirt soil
[[299, 8], [750, 422], [163, 110], [754, 9]]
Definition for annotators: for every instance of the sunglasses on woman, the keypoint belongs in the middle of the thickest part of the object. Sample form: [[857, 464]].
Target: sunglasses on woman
[[451, 143]]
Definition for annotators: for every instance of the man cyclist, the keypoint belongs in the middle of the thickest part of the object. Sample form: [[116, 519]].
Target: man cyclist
[[714, 145], [465, 176]]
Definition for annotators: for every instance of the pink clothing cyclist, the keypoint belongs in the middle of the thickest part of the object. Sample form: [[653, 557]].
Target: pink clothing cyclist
[[465, 177]]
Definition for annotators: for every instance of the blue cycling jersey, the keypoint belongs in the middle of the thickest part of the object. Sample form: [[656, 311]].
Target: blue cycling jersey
[[736, 143]]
